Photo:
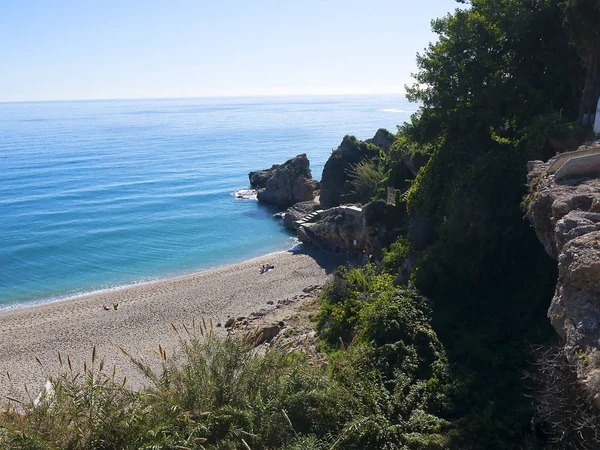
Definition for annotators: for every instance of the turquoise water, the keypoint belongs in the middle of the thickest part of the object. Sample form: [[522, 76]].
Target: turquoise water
[[100, 194]]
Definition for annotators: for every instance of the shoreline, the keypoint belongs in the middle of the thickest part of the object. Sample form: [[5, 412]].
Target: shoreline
[[35, 303], [74, 326]]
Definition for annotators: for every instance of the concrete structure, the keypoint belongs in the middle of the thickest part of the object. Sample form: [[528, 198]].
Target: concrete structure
[[558, 161], [579, 167]]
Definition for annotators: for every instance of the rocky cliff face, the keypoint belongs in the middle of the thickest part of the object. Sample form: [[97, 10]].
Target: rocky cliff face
[[285, 184], [382, 139], [335, 184], [564, 207]]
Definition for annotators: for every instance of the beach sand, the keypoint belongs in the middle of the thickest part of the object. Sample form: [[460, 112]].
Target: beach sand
[[145, 315]]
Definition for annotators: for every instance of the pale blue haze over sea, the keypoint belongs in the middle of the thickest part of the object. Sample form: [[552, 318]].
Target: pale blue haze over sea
[[101, 194]]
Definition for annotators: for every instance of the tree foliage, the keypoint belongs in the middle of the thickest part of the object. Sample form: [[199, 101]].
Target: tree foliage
[[501, 77], [495, 66]]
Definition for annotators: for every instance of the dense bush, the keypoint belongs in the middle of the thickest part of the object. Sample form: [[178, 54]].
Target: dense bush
[[395, 256], [387, 331], [219, 393]]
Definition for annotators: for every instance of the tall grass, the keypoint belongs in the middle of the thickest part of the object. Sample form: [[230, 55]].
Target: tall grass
[[219, 394], [365, 178]]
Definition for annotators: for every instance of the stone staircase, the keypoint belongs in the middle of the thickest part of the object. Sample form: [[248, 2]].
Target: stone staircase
[[320, 213], [309, 218]]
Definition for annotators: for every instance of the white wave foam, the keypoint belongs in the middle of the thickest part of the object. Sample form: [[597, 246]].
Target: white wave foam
[[395, 110], [245, 194]]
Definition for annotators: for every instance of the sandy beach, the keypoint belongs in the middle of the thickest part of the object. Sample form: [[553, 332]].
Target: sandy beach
[[144, 318]]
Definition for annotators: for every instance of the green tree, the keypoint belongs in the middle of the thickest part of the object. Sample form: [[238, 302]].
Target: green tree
[[491, 90], [495, 66]]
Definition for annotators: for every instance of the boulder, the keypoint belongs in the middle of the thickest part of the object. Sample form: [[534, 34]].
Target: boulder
[[285, 184], [297, 212], [263, 333], [336, 185], [259, 178]]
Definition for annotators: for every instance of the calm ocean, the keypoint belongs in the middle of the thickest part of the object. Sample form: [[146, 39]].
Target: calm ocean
[[101, 194]]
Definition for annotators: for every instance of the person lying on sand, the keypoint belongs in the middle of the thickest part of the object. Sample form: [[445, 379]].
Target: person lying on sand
[[266, 268], [106, 308]]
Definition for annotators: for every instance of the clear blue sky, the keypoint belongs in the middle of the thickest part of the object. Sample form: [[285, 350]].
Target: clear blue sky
[[89, 49]]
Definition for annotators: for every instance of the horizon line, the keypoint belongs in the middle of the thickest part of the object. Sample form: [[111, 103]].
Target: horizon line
[[336, 94]]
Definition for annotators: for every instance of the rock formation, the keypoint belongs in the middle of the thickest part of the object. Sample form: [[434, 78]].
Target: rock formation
[[566, 215], [382, 139], [297, 212], [285, 184], [335, 183], [353, 229]]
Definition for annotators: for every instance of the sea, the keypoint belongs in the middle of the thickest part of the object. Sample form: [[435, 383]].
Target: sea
[[98, 195]]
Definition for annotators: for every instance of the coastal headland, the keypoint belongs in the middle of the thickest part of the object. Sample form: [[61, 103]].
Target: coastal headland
[[144, 317]]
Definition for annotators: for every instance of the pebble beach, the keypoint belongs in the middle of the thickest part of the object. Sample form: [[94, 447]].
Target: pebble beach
[[145, 316]]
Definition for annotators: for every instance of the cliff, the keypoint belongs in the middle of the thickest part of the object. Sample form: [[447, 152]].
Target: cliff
[[336, 185], [564, 207]]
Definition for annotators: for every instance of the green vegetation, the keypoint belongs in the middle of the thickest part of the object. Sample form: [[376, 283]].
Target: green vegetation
[[503, 85], [365, 176], [430, 360], [222, 395]]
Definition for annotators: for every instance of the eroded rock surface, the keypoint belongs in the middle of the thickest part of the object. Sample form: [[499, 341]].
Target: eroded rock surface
[[336, 187], [566, 217], [356, 229], [297, 212], [285, 184], [382, 139]]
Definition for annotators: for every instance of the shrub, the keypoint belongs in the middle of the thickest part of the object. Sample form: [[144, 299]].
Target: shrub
[[395, 256], [365, 178]]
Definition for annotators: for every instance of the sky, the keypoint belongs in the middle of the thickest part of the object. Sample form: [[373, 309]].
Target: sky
[[106, 49]]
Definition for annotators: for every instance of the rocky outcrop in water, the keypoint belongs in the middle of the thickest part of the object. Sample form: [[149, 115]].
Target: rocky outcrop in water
[[565, 212], [285, 184]]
